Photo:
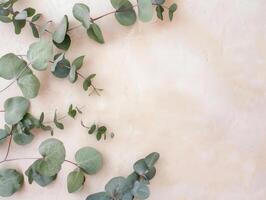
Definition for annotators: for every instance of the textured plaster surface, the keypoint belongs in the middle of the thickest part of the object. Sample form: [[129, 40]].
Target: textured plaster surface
[[193, 90]]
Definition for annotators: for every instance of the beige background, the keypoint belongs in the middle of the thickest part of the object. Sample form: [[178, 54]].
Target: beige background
[[193, 90]]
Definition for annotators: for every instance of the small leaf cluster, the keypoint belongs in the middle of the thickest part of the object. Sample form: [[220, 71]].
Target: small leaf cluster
[[161, 7], [19, 19], [133, 186], [20, 123], [99, 131], [44, 170]]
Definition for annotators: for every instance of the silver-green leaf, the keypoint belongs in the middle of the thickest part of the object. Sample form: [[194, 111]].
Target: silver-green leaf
[[82, 13], [40, 53], [60, 32], [10, 182], [75, 180], [54, 153], [29, 85], [140, 191], [89, 159], [15, 109], [11, 66], [116, 186], [145, 10]]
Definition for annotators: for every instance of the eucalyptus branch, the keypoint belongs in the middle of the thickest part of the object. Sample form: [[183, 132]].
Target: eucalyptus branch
[[8, 147]]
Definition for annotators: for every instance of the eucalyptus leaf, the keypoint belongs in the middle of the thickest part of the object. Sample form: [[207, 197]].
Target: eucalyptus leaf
[[172, 10], [53, 152], [15, 109], [78, 62], [18, 24], [10, 182], [57, 124], [22, 15], [11, 66], [159, 11], [89, 159], [82, 13], [34, 30], [116, 187], [60, 32], [62, 68], [22, 138], [125, 13], [30, 11], [95, 33], [151, 159], [57, 59], [87, 81], [29, 85], [36, 17], [127, 196], [3, 135], [151, 173], [140, 167], [73, 74], [39, 54], [34, 175], [140, 191], [75, 180], [145, 10], [65, 44], [5, 19], [99, 196]]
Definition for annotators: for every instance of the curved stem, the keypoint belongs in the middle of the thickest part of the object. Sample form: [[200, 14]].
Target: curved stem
[[93, 86], [8, 147], [2, 90]]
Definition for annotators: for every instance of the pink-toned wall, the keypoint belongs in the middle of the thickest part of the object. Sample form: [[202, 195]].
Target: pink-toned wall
[[193, 90]]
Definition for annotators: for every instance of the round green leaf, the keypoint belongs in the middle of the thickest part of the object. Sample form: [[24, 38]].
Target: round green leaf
[[131, 179], [10, 182], [65, 44], [40, 53], [116, 187], [82, 13], [33, 175], [75, 180], [140, 191], [15, 109], [62, 68], [29, 85], [145, 10], [22, 138], [11, 66], [151, 159], [99, 196], [89, 159], [60, 32], [141, 167], [126, 15], [53, 152]]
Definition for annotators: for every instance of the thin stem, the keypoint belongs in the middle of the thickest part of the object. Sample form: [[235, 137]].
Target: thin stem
[[17, 159], [2, 111], [2, 90], [68, 161], [8, 147]]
